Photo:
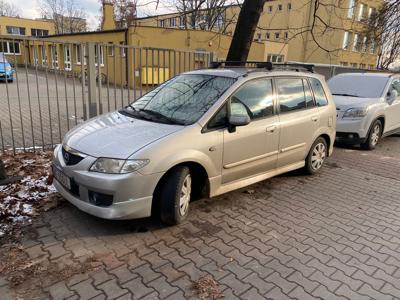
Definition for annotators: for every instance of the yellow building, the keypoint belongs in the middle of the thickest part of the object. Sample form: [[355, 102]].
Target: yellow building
[[335, 37], [15, 29], [124, 55]]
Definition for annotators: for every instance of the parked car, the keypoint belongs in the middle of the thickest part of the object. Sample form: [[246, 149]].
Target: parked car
[[202, 133], [368, 107], [6, 70]]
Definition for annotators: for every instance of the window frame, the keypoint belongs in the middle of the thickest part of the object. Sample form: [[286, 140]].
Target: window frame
[[313, 93], [278, 106], [227, 102]]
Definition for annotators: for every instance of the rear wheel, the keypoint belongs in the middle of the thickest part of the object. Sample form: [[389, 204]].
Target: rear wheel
[[316, 157], [373, 137], [175, 195]]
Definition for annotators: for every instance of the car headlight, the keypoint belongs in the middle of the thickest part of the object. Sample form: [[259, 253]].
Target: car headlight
[[118, 166], [8, 68], [356, 112]]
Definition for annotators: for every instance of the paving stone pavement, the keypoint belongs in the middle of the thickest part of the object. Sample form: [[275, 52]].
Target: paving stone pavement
[[330, 236]]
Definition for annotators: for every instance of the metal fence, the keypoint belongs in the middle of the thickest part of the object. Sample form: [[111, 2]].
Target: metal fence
[[57, 85]]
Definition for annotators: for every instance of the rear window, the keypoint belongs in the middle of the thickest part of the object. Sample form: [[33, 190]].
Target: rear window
[[319, 93]]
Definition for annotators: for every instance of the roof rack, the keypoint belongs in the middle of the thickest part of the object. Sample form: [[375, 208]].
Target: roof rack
[[262, 65]]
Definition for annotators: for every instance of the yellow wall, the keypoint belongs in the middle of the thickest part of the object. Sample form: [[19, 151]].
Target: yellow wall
[[28, 24], [289, 24]]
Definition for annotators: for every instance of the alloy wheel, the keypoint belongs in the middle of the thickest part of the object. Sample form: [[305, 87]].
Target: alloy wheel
[[185, 195], [318, 156], [376, 132]]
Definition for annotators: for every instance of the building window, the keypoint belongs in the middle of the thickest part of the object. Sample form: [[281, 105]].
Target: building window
[[286, 35], [267, 36], [15, 30], [162, 23], [280, 7], [289, 6], [270, 9], [346, 40], [275, 58], [10, 48], [98, 55], [259, 37], [371, 67], [43, 54], [123, 50], [350, 12], [361, 12], [172, 22], [354, 65], [220, 21], [182, 22], [364, 44], [355, 42], [344, 63], [39, 32], [363, 66], [277, 35]]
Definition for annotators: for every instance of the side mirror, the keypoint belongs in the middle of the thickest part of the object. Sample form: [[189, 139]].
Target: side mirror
[[239, 120], [392, 95]]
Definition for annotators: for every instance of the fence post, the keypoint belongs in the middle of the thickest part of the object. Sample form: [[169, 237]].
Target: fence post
[[91, 79]]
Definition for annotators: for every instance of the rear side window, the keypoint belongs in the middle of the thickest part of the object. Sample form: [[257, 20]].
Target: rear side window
[[257, 96], [290, 94], [319, 93]]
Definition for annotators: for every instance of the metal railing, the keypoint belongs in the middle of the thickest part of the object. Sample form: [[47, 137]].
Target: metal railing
[[57, 84]]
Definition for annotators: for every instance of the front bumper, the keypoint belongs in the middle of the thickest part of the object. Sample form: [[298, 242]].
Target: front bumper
[[6, 76], [131, 193], [349, 138]]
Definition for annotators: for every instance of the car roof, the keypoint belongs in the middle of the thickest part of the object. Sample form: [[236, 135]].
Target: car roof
[[250, 72], [368, 74]]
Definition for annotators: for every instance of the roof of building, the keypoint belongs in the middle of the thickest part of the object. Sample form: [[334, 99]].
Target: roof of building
[[88, 32]]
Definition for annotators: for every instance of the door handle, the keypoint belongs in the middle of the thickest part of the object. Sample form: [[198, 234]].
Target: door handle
[[271, 128], [314, 118]]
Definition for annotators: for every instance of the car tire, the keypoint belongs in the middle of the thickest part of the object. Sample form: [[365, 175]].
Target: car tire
[[10, 80], [316, 157], [175, 196], [374, 136]]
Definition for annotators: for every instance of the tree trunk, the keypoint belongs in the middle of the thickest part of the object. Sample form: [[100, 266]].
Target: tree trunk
[[245, 28]]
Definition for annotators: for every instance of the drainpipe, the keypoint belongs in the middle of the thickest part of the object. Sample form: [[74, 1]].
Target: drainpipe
[[126, 57]]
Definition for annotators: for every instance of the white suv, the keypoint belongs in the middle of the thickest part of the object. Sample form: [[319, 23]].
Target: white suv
[[368, 107]]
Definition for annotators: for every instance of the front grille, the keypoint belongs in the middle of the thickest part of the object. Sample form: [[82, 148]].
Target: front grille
[[70, 159]]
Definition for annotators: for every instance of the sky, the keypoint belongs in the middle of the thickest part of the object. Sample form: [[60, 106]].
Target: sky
[[31, 9]]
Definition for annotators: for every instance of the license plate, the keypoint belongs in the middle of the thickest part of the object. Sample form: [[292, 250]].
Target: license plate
[[61, 178]]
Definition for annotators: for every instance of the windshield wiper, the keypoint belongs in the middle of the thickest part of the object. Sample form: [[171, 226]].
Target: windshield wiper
[[346, 95], [159, 116]]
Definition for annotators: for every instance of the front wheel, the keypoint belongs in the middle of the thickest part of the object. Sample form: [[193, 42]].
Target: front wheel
[[316, 157], [373, 137], [175, 196]]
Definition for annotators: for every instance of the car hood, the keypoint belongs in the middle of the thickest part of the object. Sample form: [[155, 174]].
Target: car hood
[[115, 135], [344, 102], [3, 66]]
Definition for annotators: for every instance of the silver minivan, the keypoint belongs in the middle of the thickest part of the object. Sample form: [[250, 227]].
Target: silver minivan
[[202, 133]]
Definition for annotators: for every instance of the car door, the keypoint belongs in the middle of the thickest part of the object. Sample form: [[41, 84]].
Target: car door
[[393, 107], [252, 149], [299, 119]]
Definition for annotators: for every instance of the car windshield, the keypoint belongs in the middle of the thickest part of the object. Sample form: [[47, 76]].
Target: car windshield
[[358, 85], [181, 100]]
